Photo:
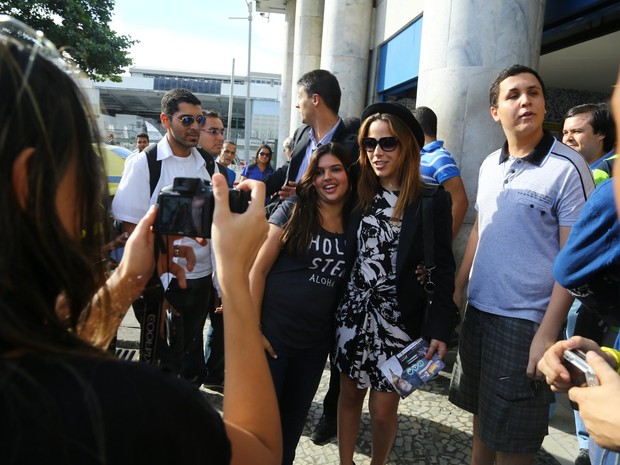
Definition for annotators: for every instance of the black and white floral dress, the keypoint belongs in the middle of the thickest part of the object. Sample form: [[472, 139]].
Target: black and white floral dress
[[369, 327]]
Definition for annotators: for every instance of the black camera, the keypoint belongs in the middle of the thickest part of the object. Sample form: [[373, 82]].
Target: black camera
[[186, 207]]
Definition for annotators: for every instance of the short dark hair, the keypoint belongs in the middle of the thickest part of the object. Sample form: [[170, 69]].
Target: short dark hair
[[508, 72], [171, 99], [600, 120], [211, 114], [144, 135], [325, 84], [427, 119]]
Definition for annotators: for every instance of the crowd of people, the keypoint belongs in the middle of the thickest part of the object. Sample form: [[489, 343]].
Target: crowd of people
[[350, 266]]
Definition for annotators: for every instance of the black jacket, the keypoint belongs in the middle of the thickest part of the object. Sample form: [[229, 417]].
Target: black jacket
[[346, 135], [437, 322]]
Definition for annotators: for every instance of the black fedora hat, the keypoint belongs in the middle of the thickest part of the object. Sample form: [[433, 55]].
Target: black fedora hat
[[402, 112]]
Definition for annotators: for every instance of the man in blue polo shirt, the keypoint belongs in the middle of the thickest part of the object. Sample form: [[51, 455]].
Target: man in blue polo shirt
[[437, 166], [530, 193]]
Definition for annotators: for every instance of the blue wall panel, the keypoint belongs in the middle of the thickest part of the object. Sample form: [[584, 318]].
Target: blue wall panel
[[399, 58]]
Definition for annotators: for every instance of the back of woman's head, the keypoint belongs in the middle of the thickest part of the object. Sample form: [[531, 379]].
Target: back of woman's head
[[44, 126]]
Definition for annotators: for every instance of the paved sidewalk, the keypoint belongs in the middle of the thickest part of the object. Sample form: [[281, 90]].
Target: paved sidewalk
[[431, 430]]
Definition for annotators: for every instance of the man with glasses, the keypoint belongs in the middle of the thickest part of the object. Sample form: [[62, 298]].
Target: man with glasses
[[211, 142], [176, 156], [212, 133]]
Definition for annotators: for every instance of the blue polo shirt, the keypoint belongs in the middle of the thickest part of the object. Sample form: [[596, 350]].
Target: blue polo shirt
[[437, 164], [522, 203]]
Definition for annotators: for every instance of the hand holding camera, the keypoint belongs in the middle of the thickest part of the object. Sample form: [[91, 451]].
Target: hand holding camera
[[554, 366], [581, 373], [186, 207], [600, 406]]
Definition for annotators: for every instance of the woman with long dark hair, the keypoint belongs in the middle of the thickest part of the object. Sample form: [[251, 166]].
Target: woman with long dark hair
[[383, 308], [261, 167], [62, 399], [295, 285]]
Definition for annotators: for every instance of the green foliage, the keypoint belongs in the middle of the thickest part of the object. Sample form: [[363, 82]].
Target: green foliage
[[81, 27]]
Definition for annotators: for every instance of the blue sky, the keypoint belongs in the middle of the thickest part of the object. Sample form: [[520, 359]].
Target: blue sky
[[193, 35]]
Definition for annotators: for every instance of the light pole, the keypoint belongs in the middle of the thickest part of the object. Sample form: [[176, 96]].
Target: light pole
[[230, 103], [248, 109], [248, 116]]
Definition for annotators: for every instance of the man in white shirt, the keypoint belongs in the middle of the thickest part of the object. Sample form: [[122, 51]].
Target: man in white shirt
[[177, 156]]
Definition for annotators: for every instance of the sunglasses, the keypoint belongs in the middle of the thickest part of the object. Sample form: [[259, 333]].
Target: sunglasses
[[264, 154], [387, 144], [187, 120], [215, 131], [37, 44]]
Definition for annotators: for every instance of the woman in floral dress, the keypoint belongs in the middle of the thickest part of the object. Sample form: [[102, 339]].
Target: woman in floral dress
[[384, 307]]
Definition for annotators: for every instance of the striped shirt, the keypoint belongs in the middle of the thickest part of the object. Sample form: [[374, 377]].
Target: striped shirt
[[437, 164]]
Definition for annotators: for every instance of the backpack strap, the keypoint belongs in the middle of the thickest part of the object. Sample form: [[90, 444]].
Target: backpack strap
[[209, 161], [154, 166], [221, 168], [210, 164]]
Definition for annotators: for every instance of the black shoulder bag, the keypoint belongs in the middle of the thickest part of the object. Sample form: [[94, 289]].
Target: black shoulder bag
[[428, 234]]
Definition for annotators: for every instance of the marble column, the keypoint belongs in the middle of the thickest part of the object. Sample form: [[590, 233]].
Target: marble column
[[307, 48], [465, 44], [286, 82], [345, 50]]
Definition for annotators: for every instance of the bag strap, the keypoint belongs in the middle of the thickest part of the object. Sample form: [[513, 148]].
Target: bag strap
[[153, 297], [209, 161], [154, 166], [428, 235], [221, 169]]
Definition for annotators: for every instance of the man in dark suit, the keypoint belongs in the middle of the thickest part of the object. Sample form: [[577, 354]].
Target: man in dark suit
[[318, 102]]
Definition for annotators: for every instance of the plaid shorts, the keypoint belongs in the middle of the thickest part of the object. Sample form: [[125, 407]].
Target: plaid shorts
[[489, 380]]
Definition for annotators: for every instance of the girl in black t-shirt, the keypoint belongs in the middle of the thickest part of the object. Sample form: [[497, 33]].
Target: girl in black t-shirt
[[296, 281]]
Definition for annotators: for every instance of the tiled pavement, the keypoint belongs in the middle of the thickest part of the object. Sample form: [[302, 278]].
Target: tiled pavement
[[431, 430]]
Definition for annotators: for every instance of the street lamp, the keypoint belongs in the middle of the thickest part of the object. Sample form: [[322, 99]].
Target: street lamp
[[248, 109], [248, 116]]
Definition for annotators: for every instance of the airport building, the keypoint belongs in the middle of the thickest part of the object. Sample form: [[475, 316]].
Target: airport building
[[132, 106]]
